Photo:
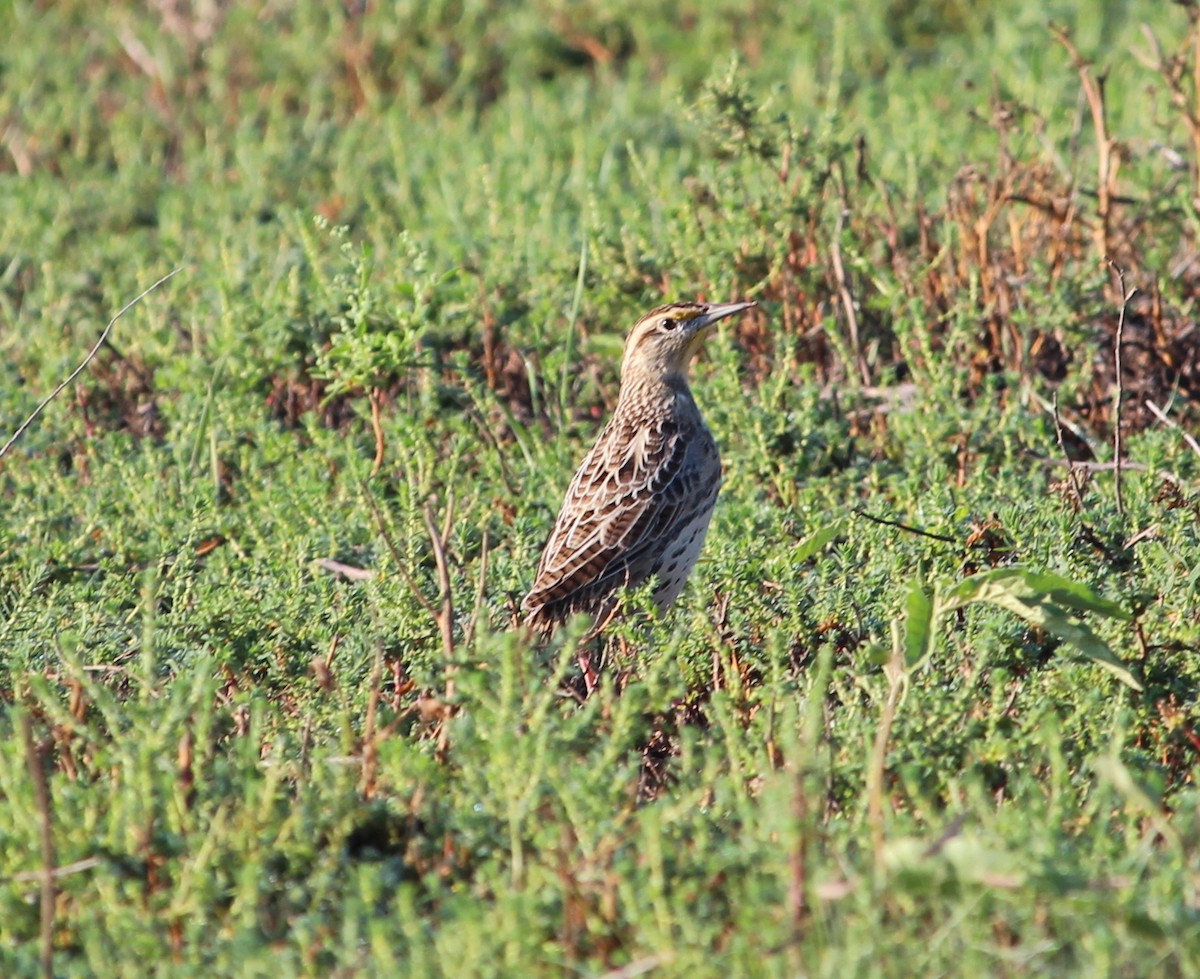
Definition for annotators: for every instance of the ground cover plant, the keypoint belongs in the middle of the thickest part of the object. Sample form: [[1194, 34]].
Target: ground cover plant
[[929, 705]]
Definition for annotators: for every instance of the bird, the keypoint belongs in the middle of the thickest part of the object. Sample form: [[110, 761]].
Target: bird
[[639, 506]]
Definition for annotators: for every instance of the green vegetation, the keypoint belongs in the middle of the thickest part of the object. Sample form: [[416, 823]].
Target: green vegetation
[[929, 705]]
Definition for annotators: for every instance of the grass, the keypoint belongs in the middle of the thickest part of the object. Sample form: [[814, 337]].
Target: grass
[[929, 705]]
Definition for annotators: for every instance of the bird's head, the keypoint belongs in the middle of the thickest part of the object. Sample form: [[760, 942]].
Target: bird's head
[[662, 342]]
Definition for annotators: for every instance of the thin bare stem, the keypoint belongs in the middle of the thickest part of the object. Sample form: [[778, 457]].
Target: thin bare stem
[[480, 590], [883, 521], [66, 870], [1118, 397], [1170, 422], [1192, 113], [1103, 467], [839, 273], [86, 360], [385, 533], [444, 615], [1072, 476], [1106, 161], [370, 746], [883, 734], [41, 792], [374, 398]]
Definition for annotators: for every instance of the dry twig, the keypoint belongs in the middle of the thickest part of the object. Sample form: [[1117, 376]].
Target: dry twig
[[86, 360], [41, 792], [883, 521], [896, 682], [1072, 475], [370, 739], [374, 397], [444, 614], [1126, 295], [839, 272], [1107, 162], [1170, 422], [1185, 92]]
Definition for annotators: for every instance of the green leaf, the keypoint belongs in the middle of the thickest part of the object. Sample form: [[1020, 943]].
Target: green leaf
[[1055, 621], [816, 541], [1031, 587], [1073, 595], [1044, 599], [918, 625]]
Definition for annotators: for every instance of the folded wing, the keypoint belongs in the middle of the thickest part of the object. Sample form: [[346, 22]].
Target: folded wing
[[630, 497]]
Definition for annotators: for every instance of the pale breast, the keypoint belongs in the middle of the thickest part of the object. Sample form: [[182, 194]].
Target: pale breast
[[679, 557]]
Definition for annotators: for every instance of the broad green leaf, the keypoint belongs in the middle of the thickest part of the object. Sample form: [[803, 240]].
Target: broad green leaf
[[1039, 598], [918, 625], [1032, 586], [1055, 620], [1073, 595], [1079, 634], [965, 591], [816, 540]]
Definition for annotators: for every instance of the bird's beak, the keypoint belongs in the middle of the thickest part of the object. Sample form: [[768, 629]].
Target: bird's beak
[[718, 311]]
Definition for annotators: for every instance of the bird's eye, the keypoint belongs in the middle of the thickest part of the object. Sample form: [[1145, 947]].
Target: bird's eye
[[669, 324]]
